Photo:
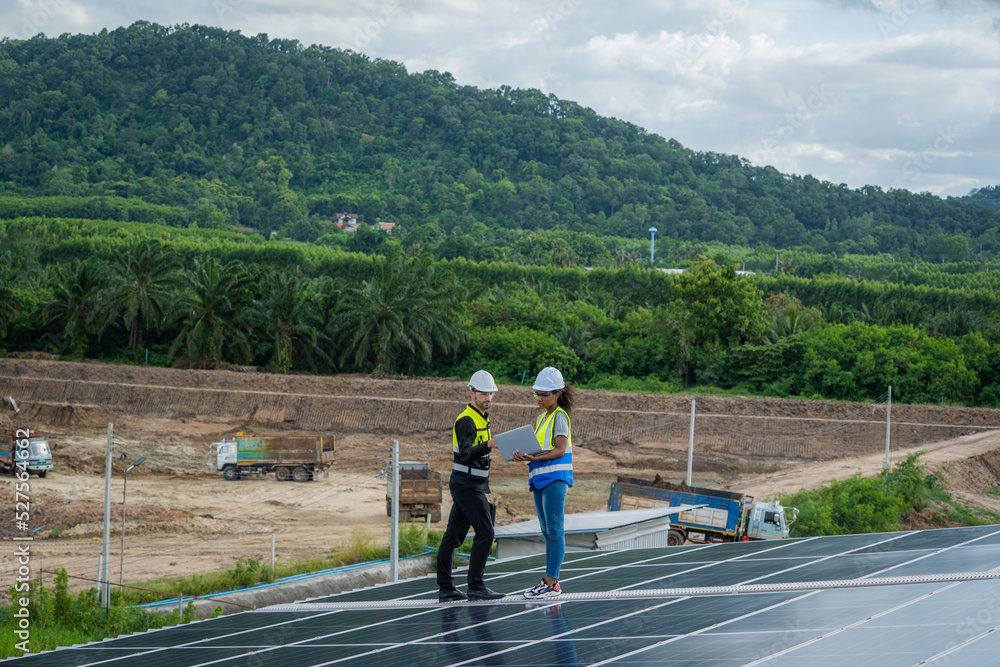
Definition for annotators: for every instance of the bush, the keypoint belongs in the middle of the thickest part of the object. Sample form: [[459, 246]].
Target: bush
[[60, 618], [510, 353], [862, 505]]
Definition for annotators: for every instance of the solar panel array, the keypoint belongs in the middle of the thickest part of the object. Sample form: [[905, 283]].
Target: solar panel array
[[925, 597]]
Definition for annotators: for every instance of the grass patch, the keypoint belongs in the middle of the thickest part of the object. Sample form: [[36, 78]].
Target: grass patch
[[963, 514], [647, 385], [59, 618], [252, 571]]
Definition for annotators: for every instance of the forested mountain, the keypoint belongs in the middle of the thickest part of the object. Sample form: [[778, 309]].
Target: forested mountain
[[222, 129], [988, 196], [166, 196]]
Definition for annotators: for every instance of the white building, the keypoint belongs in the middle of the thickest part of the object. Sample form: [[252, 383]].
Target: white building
[[590, 531]]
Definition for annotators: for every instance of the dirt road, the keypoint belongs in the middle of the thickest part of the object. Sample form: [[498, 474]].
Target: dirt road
[[957, 459]]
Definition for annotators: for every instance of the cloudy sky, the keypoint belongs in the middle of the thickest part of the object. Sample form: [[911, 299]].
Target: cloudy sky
[[895, 93]]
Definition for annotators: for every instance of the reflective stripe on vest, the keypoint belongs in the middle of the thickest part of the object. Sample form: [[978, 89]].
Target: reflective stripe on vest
[[483, 434], [469, 470], [542, 473]]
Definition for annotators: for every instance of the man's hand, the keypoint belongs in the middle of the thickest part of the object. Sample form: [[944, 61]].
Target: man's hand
[[491, 443]]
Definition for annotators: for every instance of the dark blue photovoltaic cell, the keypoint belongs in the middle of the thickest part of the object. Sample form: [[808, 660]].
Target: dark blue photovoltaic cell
[[717, 650], [982, 651], [938, 539], [906, 645], [877, 626], [824, 546], [826, 610], [961, 559]]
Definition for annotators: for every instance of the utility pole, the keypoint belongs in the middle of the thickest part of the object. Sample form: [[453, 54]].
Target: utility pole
[[394, 533], [106, 543], [888, 428], [691, 444]]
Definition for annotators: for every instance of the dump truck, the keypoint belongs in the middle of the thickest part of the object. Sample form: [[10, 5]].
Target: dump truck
[[725, 516], [297, 457], [419, 491], [27, 446]]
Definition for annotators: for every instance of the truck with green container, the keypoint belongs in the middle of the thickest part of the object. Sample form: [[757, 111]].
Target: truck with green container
[[294, 457]]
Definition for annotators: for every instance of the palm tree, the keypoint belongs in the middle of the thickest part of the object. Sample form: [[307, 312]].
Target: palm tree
[[216, 305], [787, 323], [579, 336], [324, 316], [10, 308], [79, 302], [954, 323], [144, 282], [287, 310], [837, 313], [410, 305]]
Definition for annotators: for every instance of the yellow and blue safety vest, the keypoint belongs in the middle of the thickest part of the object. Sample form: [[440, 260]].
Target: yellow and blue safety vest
[[543, 473]]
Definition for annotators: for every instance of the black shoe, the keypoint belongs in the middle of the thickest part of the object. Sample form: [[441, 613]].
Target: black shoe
[[451, 595], [484, 594]]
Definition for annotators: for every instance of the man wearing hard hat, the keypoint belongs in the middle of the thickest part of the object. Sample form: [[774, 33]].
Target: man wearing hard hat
[[471, 442]]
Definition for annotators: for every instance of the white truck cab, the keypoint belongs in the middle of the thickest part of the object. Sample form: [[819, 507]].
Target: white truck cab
[[768, 521], [225, 453]]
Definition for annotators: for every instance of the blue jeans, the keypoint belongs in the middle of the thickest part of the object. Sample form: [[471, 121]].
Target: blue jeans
[[550, 505]]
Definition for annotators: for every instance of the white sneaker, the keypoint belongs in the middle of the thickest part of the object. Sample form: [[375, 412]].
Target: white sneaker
[[539, 586], [543, 590]]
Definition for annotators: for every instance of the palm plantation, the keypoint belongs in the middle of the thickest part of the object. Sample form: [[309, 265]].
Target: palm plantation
[[406, 311]]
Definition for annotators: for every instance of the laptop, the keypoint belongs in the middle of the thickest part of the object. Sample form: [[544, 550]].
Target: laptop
[[520, 439]]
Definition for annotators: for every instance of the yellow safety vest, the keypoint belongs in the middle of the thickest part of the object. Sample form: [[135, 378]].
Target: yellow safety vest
[[483, 434]]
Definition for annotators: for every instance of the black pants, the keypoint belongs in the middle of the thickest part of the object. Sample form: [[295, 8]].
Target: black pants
[[469, 509]]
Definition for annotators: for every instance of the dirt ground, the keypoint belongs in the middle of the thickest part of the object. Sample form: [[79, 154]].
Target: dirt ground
[[182, 518]]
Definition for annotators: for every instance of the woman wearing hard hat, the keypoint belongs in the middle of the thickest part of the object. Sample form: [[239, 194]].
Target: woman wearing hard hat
[[550, 473]]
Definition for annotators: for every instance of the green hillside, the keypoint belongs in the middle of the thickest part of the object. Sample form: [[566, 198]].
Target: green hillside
[[167, 195], [270, 134]]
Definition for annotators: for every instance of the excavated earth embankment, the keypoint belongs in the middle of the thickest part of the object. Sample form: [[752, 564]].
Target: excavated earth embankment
[[182, 518]]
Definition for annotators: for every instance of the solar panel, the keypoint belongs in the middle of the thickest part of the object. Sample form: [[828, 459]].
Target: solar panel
[[926, 597]]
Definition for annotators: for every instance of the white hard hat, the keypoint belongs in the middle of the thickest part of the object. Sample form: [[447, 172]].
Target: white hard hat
[[482, 381], [549, 379]]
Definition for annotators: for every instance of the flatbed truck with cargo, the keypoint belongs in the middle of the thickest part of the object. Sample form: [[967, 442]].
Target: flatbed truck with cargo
[[34, 457], [419, 491], [724, 516]]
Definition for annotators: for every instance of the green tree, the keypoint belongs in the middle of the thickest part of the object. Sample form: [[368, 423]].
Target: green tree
[[10, 308], [144, 282], [215, 308], [79, 303], [287, 307], [718, 306], [408, 309], [324, 316]]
